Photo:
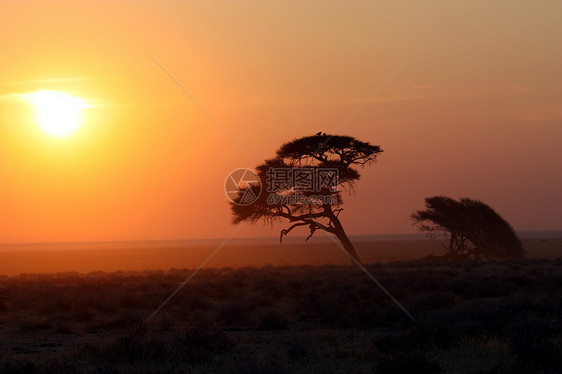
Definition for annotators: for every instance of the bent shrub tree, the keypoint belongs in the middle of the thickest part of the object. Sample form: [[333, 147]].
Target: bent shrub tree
[[303, 184], [474, 230]]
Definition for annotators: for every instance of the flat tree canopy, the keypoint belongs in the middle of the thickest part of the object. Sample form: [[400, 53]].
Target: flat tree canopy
[[474, 229]]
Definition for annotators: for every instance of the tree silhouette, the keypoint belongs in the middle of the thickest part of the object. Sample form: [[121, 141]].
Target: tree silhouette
[[330, 160], [474, 229]]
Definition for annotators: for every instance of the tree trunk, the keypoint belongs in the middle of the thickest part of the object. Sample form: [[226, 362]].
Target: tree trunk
[[347, 245], [341, 235]]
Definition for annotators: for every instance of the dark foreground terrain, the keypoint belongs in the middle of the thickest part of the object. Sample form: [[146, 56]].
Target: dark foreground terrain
[[490, 317]]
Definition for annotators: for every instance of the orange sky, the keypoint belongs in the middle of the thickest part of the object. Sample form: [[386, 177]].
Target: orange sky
[[476, 112]]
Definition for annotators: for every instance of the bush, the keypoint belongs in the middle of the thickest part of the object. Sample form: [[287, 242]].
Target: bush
[[406, 364], [272, 320], [237, 311], [200, 344]]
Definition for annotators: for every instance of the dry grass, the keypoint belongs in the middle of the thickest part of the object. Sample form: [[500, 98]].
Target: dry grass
[[497, 316]]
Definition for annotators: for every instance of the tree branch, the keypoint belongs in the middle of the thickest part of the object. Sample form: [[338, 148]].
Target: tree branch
[[337, 212], [312, 231], [313, 225], [301, 217], [284, 232]]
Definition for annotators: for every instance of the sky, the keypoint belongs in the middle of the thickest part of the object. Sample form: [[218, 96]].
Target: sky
[[465, 103]]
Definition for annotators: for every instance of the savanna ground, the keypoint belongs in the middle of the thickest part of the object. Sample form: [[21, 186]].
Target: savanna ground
[[473, 317]]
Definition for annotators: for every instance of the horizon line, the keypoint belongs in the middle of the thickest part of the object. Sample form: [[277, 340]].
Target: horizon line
[[527, 233]]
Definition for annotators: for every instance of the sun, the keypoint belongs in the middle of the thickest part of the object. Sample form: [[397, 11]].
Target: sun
[[58, 113]]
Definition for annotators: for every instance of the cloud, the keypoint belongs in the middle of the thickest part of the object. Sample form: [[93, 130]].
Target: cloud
[[13, 97], [44, 96], [46, 81]]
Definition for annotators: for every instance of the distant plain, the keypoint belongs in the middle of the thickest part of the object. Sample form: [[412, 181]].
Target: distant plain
[[164, 255]]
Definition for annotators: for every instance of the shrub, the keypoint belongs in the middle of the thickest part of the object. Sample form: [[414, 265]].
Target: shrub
[[406, 364], [272, 320], [200, 344], [237, 311]]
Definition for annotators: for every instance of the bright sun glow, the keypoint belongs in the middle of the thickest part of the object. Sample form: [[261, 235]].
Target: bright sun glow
[[58, 113]]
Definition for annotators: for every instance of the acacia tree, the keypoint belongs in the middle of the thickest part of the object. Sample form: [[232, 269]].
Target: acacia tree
[[331, 161], [474, 229]]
